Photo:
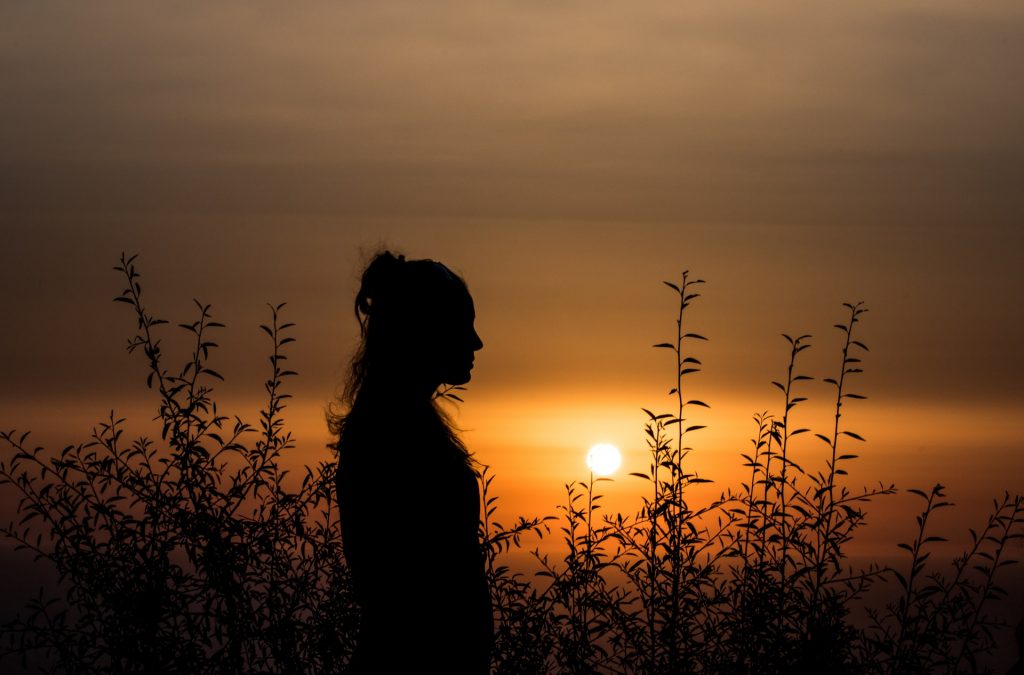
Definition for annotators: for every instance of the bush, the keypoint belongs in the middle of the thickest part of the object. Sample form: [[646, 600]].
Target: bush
[[757, 581], [197, 553], [190, 554]]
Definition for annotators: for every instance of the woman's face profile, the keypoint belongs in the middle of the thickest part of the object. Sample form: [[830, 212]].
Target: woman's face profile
[[457, 342]]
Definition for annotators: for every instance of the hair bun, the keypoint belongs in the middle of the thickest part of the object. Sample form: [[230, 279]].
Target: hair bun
[[379, 280]]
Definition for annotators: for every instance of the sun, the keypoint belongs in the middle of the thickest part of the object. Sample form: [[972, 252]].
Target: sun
[[604, 459]]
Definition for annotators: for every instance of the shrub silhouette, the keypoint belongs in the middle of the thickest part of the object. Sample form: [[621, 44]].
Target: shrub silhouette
[[197, 553], [187, 554]]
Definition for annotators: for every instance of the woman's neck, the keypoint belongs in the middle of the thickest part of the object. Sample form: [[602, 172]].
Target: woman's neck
[[399, 391]]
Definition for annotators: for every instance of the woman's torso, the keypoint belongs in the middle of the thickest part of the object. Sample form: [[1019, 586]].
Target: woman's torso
[[409, 505]]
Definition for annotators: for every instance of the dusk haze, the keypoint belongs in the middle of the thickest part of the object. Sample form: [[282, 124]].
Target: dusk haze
[[849, 174]]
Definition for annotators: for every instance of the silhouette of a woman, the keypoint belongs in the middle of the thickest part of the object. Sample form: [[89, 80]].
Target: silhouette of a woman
[[407, 492]]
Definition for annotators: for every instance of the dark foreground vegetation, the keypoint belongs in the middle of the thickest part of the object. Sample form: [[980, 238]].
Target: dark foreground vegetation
[[194, 552]]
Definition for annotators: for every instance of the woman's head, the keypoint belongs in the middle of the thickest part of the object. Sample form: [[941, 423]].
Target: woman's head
[[416, 318]]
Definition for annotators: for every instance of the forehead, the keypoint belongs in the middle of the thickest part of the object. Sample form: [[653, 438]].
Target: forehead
[[461, 303]]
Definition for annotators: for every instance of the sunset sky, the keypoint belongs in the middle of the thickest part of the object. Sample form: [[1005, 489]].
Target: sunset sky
[[566, 158]]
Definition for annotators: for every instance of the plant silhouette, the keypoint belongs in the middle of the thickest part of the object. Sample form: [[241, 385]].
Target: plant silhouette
[[195, 552], [190, 553]]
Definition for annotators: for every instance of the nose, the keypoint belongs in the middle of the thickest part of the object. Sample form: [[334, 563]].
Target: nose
[[478, 344]]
